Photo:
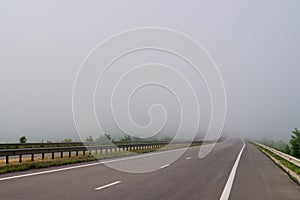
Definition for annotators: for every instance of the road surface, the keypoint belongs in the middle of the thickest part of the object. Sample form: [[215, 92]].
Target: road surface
[[255, 177]]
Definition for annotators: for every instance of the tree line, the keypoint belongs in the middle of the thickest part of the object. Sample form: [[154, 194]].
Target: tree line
[[102, 138], [292, 148]]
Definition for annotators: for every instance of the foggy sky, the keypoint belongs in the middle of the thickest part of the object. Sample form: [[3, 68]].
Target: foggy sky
[[255, 44]]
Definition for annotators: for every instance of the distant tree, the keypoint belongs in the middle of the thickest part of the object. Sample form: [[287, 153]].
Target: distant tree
[[101, 138], [104, 138], [166, 139], [23, 139], [125, 138], [295, 143], [107, 136], [67, 140], [49, 141], [268, 142], [89, 139], [283, 147]]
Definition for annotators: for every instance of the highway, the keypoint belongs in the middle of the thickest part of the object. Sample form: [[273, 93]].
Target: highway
[[213, 177]]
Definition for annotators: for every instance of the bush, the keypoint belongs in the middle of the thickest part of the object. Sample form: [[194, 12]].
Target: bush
[[295, 143], [22, 139]]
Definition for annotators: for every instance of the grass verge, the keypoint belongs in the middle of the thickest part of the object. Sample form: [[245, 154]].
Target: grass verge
[[38, 163]]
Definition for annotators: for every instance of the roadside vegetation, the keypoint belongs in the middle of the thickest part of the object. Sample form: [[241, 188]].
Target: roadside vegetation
[[292, 148], [27, 164]]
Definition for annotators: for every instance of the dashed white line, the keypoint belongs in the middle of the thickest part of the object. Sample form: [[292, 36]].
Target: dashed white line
[[188, 158], [228, 186], [164, 166], [108, 185]]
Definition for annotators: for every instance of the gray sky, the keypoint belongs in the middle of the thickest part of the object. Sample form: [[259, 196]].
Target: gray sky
[[255, 44]]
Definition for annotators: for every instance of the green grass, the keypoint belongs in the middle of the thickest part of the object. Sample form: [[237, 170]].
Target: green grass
[[26, 164]]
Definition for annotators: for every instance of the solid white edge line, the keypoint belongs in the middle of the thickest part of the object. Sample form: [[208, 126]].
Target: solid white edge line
[[188, 158], [92, 164], [108, 185], [229, 183], [47, 172]]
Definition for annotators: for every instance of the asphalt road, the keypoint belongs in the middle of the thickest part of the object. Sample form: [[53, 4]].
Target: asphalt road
[[256, 177]]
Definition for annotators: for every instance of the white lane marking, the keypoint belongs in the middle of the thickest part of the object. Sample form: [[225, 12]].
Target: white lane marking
[[47, 172], [228, 186], [91, 164], [108, 185], [164, 166], [188, 158], [148, 154]]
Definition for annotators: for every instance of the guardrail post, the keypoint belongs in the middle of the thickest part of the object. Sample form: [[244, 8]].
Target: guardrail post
[[20, 158], [61, 154], [6, 159], [76, 152], [70, 154], [52, 155], [84, 152], [32, 157], [43, 156]]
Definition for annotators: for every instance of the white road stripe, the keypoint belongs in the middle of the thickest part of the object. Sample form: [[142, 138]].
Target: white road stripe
[[228, 186], [188, 158], [164, 166], [108, 185], [91, 164], [47, 172]]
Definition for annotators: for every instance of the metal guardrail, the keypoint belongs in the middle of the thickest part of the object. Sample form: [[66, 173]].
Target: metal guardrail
[[62, 144], [285, 156], [46, 150]]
